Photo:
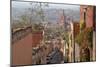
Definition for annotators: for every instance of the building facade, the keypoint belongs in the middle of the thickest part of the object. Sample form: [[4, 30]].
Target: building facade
[[22, 46], [88, 16]]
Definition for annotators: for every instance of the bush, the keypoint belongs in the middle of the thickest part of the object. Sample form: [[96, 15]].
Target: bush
[[79, 38], [82, 25], [89, 36], [86, 34]]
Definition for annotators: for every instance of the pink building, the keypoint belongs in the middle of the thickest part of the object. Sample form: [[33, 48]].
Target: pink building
[[88, 15], [22, 46]]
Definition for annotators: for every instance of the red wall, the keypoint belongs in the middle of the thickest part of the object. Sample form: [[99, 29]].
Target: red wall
[[90, 20], [76, 28], [37, 37], [22, 51]]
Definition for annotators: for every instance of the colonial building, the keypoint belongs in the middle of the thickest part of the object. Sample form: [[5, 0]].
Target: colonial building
[[88, 17]]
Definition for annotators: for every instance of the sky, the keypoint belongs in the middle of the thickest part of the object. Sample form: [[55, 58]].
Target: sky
[[21, 4]]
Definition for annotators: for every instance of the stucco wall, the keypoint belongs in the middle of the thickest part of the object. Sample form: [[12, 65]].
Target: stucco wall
[[22, 51], [90, 20], [37, 37]]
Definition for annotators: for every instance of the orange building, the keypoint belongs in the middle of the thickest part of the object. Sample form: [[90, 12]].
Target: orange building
[[88, 15], [22, 46]]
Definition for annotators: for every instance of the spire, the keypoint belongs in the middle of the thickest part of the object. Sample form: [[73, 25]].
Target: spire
[[62, 18]]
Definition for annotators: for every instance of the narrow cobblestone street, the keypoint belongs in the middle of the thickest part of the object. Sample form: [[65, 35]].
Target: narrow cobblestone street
[[55, 57]]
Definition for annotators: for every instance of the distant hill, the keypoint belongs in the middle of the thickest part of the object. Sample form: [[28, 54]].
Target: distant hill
[[52, 15]]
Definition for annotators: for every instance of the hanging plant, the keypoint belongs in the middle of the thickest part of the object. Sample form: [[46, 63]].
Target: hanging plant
[[79, 38], [88, 33], [82, 25]]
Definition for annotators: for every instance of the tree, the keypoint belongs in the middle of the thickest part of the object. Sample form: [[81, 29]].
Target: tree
[[89, 36], [79, 38], [24, 19], [84, 39], [38, 8], [38, 27], [82, 25]]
